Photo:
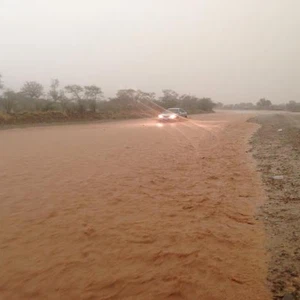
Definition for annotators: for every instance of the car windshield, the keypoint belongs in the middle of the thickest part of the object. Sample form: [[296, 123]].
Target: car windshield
[[173, 110]]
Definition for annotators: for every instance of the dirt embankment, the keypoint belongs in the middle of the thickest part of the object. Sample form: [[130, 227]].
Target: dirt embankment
[[25, 118], [276, 147], [50, 117]]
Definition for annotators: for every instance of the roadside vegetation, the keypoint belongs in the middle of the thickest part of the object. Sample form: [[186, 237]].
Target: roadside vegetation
[[262, 104], [33, 104]]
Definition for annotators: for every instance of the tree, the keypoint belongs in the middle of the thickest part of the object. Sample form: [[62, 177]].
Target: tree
[[8, 100], [92, 92], [54, 93], [145, 98], [32, 89], [125, 98], [206, 104], [127, 95], [244, 106], [228, 106], [135, 100], [64, 102], [75, 90], [188, 102], [169, 98], [146, 103], [263, 104], [293, 106]]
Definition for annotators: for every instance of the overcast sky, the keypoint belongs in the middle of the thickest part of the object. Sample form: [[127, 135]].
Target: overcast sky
[[229, 50]]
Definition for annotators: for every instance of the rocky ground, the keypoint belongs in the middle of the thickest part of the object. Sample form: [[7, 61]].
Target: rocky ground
[[276, 147]]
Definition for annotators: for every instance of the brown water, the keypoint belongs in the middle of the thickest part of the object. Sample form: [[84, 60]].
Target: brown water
[[131, 210]]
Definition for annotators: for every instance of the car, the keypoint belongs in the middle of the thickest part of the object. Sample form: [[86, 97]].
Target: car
[[172, 114]]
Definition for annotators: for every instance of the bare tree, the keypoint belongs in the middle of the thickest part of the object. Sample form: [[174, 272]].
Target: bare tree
[[77, 94], [54, 93], [8, 101], [92, 94], [75, 90], [32, 89]]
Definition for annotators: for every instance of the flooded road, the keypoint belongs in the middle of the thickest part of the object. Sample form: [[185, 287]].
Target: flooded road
[[132, 210]]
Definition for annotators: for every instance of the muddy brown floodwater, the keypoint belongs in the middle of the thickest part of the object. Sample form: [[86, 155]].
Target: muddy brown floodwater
[[132, 210]]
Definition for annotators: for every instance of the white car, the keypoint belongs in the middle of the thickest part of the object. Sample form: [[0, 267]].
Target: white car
[[172, 114]]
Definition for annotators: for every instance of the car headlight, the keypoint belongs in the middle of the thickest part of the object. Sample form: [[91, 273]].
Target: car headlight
[[173, 116], [160, 116]]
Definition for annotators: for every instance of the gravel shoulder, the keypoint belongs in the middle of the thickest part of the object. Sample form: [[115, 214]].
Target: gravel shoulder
[[276, 147]]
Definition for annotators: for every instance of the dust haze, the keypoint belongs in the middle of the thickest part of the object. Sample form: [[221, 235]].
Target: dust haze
[[149, 150], [231, 51]]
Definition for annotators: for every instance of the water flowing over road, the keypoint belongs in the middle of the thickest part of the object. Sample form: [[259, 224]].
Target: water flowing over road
[[132, 210]]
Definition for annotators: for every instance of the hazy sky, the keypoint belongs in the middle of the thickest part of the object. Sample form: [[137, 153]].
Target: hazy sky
[[229, 50]]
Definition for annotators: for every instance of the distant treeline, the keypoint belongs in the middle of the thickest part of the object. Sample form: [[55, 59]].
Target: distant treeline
[[78, 100], [262, 104]]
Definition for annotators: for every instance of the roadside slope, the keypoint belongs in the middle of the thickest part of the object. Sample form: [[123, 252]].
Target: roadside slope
[[276, 147]]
